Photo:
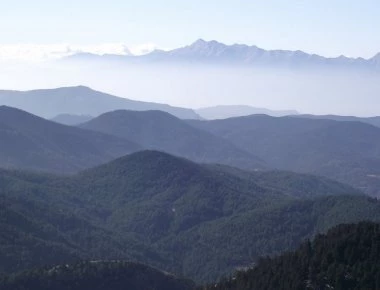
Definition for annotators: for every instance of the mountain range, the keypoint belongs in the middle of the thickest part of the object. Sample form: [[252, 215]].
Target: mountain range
[[197, 221], [346, 151], [99, 191], [208, 197], [214, 52]]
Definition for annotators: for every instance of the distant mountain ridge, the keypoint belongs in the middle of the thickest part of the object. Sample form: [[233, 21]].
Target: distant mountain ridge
[[80, 100], [228, 111], [216, 52]]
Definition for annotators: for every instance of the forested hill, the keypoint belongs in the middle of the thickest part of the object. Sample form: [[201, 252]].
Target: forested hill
[[196, 221], [347, 257], [96, 275]]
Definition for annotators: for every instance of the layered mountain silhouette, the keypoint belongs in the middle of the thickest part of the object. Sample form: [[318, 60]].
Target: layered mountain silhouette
[[80, 101], [198, 221], [31, 142], [214, 52], [345, 151], [162, 131]]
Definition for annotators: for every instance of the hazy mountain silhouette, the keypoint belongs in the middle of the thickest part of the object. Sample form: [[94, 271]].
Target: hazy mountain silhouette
[[223, 112], [214, 52], [80, 101]]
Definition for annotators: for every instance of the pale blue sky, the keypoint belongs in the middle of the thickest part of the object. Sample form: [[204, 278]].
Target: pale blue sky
[[327, 27]]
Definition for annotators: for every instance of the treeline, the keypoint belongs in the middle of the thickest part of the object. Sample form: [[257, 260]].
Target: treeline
[[95, 275], [347, 257]]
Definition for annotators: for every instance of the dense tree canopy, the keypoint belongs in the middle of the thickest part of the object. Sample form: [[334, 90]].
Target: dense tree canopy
[[148, 206], [347, 257], [95, 275]]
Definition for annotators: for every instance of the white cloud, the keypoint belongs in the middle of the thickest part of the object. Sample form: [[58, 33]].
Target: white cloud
[[41, 52], [142, 49]]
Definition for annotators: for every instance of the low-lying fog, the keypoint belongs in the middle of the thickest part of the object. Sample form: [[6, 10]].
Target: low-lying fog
[[194, 86]]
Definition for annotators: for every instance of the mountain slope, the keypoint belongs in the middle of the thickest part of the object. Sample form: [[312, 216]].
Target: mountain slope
[[162, 131], [290, 183], [151, 204], [347, 257], [30, 142], [223, 112], [346, 151], [96, 275], [35, 238], [42, 223], [80, 101], [34, 234]]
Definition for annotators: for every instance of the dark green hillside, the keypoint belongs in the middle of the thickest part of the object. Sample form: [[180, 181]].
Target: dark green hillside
[[27, 242], [96, 275], [161, 131], [347, 257], [147, 206], [36, 233], [30, 142], [293, 184], [155, 194], [226, 244], [345, 151]]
